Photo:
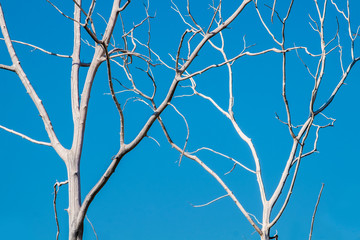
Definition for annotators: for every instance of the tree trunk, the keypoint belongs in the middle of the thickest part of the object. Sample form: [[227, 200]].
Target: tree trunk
[[74, 198], [265, 235], [265, 221]]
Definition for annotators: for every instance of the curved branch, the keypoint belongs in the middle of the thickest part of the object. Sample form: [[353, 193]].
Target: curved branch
[[40, 49], [30, 90], [25, 137]]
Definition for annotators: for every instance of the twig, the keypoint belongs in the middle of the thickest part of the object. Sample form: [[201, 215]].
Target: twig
[[187, 131], [223, 155], [206, 204], [92, 227], [212, 173], [38, 48], [316, 206], [62, 152], [26, 137], [62, 13], [57, 186], [6, 67]]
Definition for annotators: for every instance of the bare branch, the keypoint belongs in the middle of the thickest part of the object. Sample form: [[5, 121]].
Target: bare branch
[[26, 137], [114, 97], [273, 10], [40, 49], [212, 173], [57, 186], [225, 156], [25, 81], [211, 34], [338, 86], [315, 209], [206, 204], [264, 24], [57, 9], [239, 56], [153, 140], [92, 227], [342, 12], [187, 131], [214, 16], [6, 67]]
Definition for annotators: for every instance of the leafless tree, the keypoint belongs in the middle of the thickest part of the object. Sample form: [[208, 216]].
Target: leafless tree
[[306, 131], [133, 51], [104, 51]]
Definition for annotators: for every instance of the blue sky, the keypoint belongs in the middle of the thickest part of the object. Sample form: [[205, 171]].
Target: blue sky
[[150, 196]]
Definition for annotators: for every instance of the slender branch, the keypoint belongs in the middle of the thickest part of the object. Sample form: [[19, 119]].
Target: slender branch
[[6, 67], [30, 90], [75, 68], [40, 49], [57, 186], [211, 34], [187, 131], [62, 13], [315, 209], [26, 137], [286, 170], [122, 127], [273, 10], [212, 201], [223, 155], [239, 56], [213, 174], [92, 227]]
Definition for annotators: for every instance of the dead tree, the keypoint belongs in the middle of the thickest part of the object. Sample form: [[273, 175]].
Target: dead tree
[[114, 57], [304, 131]]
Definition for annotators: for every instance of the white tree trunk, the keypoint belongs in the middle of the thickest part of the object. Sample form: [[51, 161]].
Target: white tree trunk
[[75, 233], [74, 189]]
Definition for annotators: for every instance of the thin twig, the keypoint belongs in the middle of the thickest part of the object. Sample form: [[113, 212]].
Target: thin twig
[[206, 204], [39, 48], [313, 217], [6, 67], [57, 186], [92, 227], [25, 137]]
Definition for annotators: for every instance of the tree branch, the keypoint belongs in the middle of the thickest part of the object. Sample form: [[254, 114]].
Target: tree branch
[[26, 137], [40, 49], [57, 186], [30, 90], [315, 209]]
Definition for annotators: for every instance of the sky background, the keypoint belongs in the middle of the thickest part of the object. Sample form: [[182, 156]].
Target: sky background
[[150, 196]]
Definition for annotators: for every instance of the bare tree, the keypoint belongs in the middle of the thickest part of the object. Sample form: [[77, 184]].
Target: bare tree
[[305, 130], [135, 55], [106, 51]]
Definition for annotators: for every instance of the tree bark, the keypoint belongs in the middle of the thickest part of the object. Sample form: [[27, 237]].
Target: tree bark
[[74, 189]]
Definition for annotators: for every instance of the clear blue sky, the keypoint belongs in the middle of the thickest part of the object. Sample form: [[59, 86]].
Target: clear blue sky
[[150, 196]]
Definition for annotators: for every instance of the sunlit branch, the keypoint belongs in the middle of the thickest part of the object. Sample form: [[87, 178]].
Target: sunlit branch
[[30, 90], [212, 173], [237, 57], [315, 210], [40, 49], [225, 156], [117, 104], [92, 227], [187, 131], [214, 16], [25, 137], [57, 186], [62, 13], [281, 185], [6, 67], [212, 201]]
